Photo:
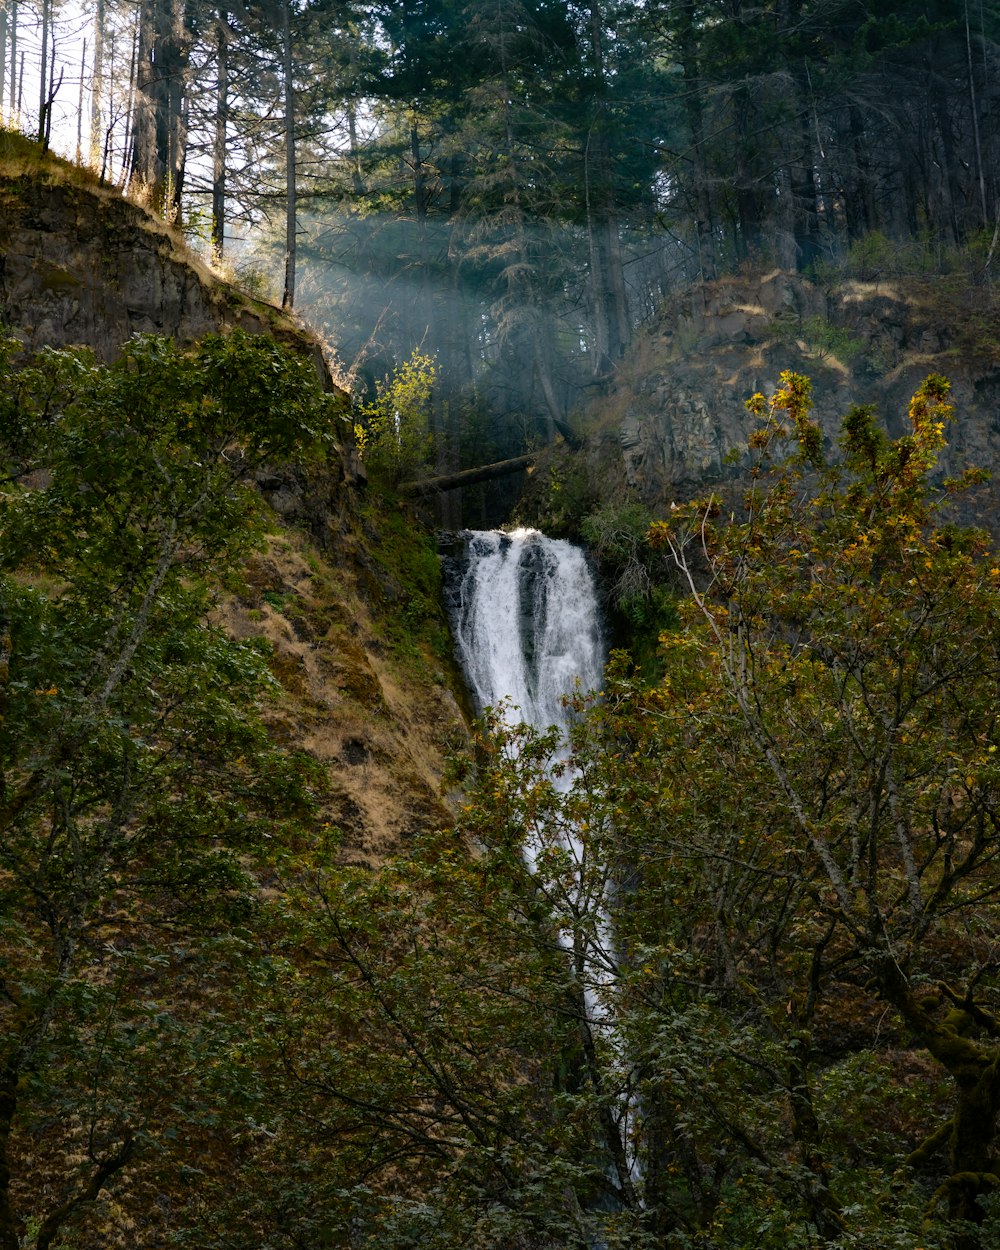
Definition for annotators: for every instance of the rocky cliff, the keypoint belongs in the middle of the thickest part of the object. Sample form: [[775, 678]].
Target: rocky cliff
[[675, 419], [79, 264]]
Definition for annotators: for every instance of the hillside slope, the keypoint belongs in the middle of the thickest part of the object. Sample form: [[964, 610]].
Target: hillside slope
[[346, 592]]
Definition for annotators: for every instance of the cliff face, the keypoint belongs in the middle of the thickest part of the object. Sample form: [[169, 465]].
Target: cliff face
[[345, 593], [81, 265], [675, 418]]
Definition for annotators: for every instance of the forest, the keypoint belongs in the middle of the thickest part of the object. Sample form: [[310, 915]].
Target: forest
[[761, 1010], [515, 187]]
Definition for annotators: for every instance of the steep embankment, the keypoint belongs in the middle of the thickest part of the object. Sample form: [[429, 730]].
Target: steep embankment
[[675, 417], [346, 591], [81, 265]]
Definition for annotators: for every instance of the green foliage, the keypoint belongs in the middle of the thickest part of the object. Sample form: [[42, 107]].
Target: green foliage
[[617, 537], [639, 600], [733, 987], [832, 695], [876, 257], [138, 788], [822, 339], [563, 498], [433, 1023], [403, 587], [791, 839], [394, 433]]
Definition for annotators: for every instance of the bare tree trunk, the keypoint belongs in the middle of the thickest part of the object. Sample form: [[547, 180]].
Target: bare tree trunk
[[805, 217], [219, 143], [43, 68], [420, 206], [9, 1239], [951, 217], [524, 281], [13, 61], [131, 111], [3, 49], [288, 294], [465, 477], [352, 129], [79, 105], [747, 199], [694, 113], [176, 58], [352, 133], [143, 136], [612, 329], [97, 86], [106, 139], [974, 110], [51, 97], [860, 203], [158, 131]]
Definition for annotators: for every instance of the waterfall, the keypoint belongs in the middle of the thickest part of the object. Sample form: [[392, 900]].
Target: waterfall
[[527, 631], [526, 625]]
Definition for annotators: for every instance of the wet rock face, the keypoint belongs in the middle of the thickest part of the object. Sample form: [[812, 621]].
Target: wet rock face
[[676, 419]]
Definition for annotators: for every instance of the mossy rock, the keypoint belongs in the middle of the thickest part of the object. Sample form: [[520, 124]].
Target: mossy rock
[[289, 670], [53, 277], [349, 668]]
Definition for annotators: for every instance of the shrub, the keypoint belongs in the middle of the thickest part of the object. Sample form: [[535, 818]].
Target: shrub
[[394, 435]]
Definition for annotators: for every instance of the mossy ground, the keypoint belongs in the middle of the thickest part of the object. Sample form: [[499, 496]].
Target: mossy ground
[[360, 652]]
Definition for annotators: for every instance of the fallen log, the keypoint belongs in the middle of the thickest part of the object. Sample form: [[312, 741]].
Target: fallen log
[[466, 477]]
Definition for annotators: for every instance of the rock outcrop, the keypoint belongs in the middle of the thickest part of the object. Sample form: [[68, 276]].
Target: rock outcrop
[[81, 265], [675, 418]]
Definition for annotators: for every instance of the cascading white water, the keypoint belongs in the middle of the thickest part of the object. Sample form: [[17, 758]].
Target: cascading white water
[[526, 624], [525, 619], [527, 628]]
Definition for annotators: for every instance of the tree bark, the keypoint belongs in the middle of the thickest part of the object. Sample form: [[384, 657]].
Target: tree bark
[[288, 293], [805, 226], [974, 112], [9, 1239], [108, 1167], [942, 1023], [158, 138], [3, 50], [43, 68], [747, 198], [13, 61], [97, 87], [694, 115], [859, 201], [219, 140], [466, 477], [612, 329]]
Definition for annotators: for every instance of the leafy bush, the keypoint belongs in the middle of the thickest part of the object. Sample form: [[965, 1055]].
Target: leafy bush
[[617, 536], [140, 789], [822, 338], [642, 604], [394, 433]]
